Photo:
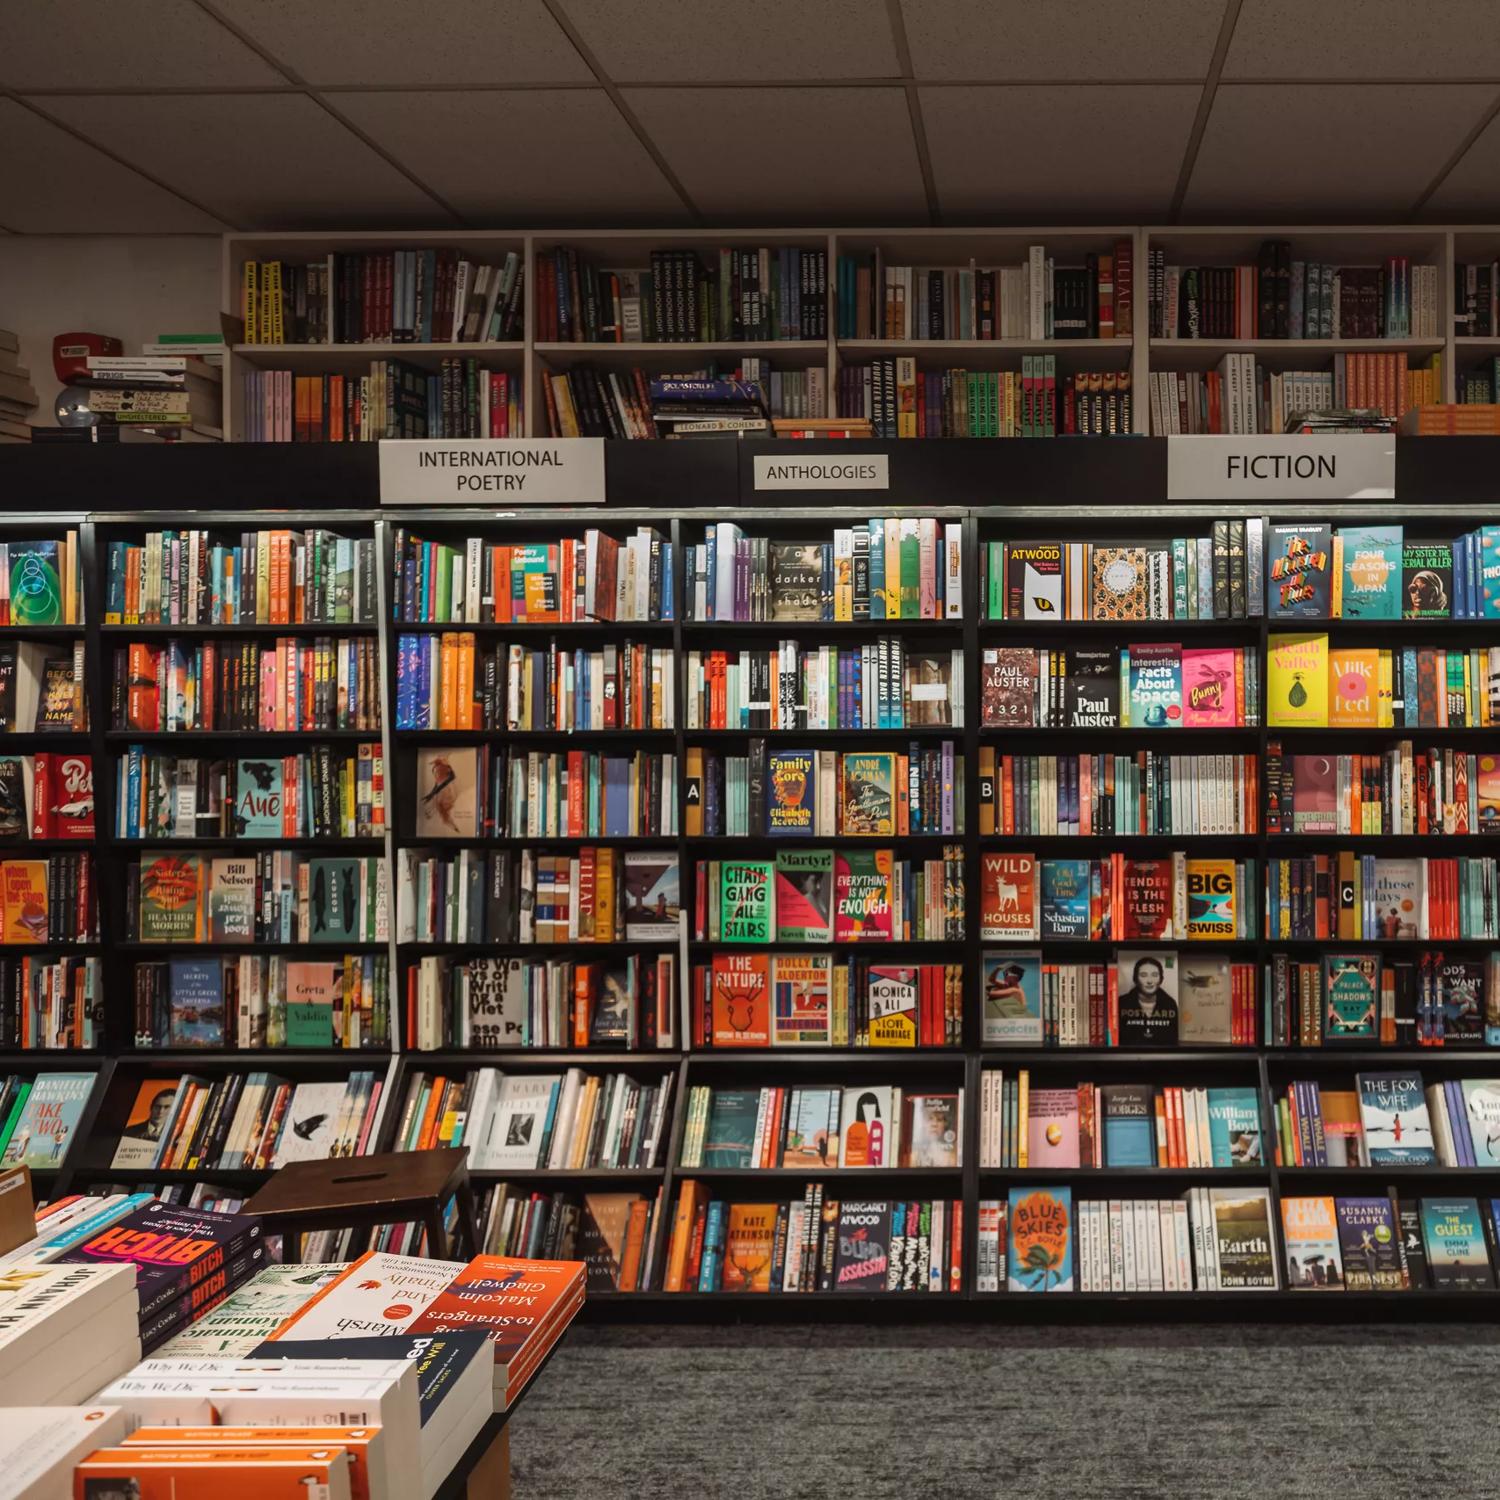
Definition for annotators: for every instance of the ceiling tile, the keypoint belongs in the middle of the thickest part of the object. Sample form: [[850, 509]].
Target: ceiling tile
[[1274, 149], [593, 165], [864, 168], [100, 44], [1085, 41], [52, 183], [1354, 39], [1468, 191], [1061, 176], [474, 42], [274, 161], [683, 41]]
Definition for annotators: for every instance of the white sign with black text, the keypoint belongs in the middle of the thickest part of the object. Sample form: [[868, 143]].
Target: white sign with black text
[[480, 471], [1343, 466], [858, 471]]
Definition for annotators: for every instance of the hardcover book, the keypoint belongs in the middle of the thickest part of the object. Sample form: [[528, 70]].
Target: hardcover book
[[867, 1125], [1310, 1233], [1427, 581], [1246, 1247], [195, 990], [1093, 688], [1146, 886], [1208, 691], [23, 900], [1129, 1124], [867, 794], [1354, 689], [1205, 1001], [1299, 581], [1119, 583], [1297, 681], [891, 991], [862, 893], [1039, 1250], [1013, 999], [653, 902], [447, 804], [312, 992], [1351, 996], [36, 593], [1008, 896], [171, 905], [1034, 581], [1393, 1110], [749, 1246], [48, 1121], [1212, 899], [1147, 982], [1482, 1103], [1155, 685], [862, 1254], [790, 807], [1065, 898], [1008, 687], [1052, 1128], [741, 1000], [1234, 1127], [745, 900], [804, 895], [796, 577], [146, 1123], [730, 1132], [258, 805], [1396, 896], [930, 1128], [1453, 1234], [231, 900], [1369, 572], [1368, 1245], [800, 987]]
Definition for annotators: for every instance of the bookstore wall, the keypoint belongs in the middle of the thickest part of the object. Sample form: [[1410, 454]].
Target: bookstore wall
[[896, 900]]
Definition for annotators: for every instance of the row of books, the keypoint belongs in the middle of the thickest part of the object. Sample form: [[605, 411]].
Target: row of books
[[821, 1128], [451, 681], [825, 793], [1279, 297], [49, 795], [592, 895], [272, 897], [1437, 791], [1390, 1120], [1115, 1125], [755, 999], [899, 568], [1361, 897], [483, 790], [1322, 572], [245, 1120], [570, 1121], [815, 1244], [1146, 794], [52, 1002], [552, 1004], [901, 401], [1474, 388], [51, 900], [255, 1001], [1310, 685], [1144, 685], [776, 292], [1038, 299], [1214, 577], [246, 685], [41, 688], [1142, 998], [41, 582], [1116, 897], [323, 793], [595, 577], [1390, 1244], [826, 895], [282, 577], [613, 1234], [878, 685], [436, 296], [395, 399], [1208, 1240]]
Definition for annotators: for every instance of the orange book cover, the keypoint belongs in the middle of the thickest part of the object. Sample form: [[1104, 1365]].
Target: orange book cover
[[464, 706], [447, 680], [605, 885], [688, 1198], [430, 1116], [203, 1473], [741, 1000], [364, 1445], [635, 1244], [513, 1301]]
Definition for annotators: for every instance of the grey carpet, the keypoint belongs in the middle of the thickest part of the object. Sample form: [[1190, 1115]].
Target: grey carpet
[[1380, 1413]]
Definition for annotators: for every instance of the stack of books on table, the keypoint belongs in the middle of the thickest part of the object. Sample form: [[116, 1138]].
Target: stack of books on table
[[17, 394], [708, 408], [64, 1330]]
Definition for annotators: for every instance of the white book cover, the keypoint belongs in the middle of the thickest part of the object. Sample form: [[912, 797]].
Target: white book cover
[[53, 1300], [40, 1444], [378, 1294], [250, 1315], [521, 1122], [311, 1118]]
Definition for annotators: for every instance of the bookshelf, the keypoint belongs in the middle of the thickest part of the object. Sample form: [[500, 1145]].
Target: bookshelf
[[535, 354], [1447, 482]]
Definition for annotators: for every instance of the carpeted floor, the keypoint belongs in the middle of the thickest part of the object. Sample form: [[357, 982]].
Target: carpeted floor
[[1203, 1411]]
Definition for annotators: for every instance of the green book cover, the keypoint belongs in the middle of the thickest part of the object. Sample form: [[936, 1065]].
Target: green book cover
[[1369, 572], [35, 587], [171, 888], [745, 901], [731, 1128], [333, 904]]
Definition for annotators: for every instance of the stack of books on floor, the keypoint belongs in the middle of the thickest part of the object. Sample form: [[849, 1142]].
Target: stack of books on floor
[[174, 397], [17, 394]]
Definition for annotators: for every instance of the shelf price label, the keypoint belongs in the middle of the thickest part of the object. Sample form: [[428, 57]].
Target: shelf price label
[[854, 471], [482, 471], [1344, 466]]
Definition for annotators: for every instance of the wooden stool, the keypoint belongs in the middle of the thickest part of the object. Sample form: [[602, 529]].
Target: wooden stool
[[365, 1192]]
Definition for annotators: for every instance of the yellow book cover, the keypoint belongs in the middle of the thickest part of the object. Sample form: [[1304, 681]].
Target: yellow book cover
[[1023, 1115], [1386, 706], [1212, 899], [1297, 681], [1354, 688], [749, 1244]]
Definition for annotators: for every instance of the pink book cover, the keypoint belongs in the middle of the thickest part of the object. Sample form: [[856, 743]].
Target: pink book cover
[[929, 553], [1052, 1128], [1208, 687], [268, 699]]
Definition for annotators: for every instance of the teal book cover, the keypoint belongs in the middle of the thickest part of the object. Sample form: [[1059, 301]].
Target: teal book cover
[[1129, 1124], [1369, 578], [1453, 1234], [35, 587], [333, 900], [258, 793], [1234, 1127], [731, 1128], [48, 1121], [1065, 898], [1156, 685], [1039, 1254]]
